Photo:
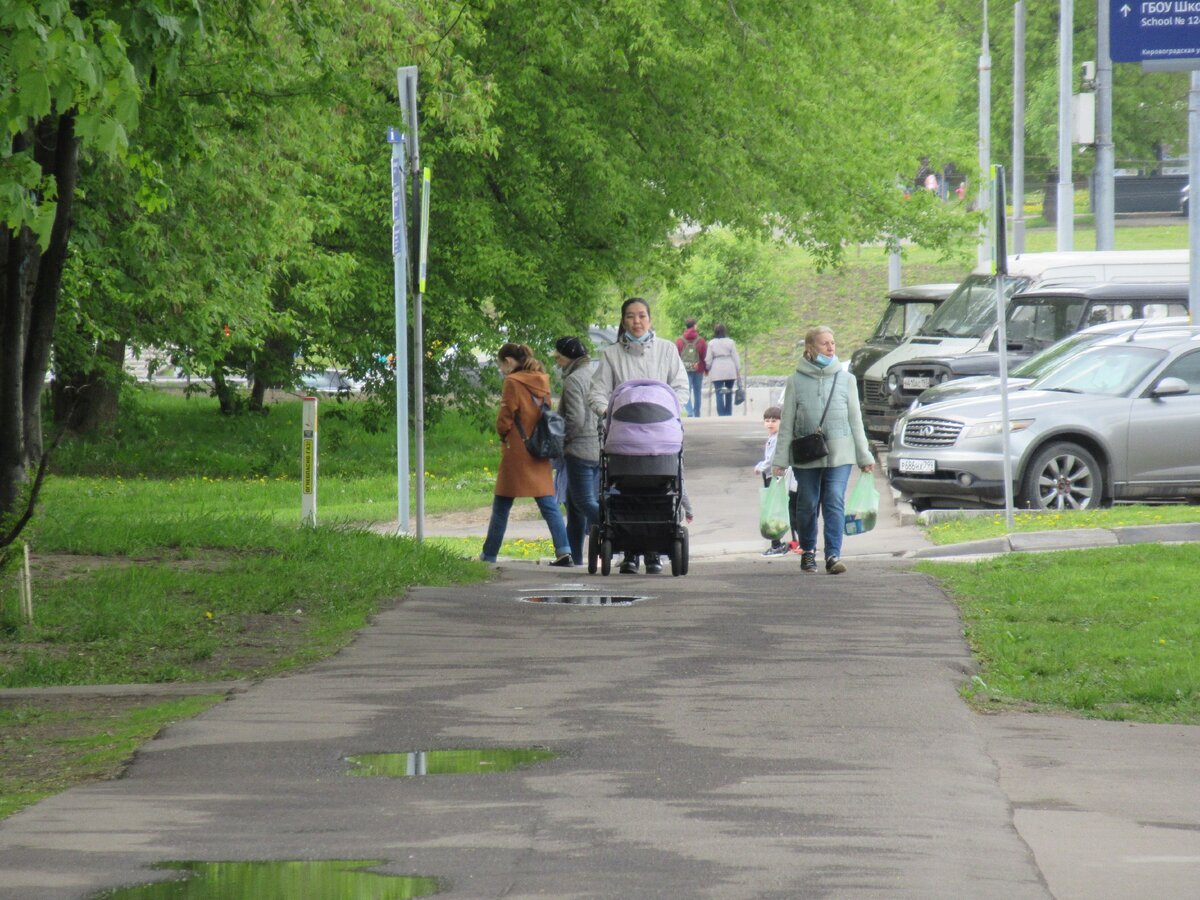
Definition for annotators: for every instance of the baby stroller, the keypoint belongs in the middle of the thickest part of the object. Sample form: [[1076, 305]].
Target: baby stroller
[[641, 478]]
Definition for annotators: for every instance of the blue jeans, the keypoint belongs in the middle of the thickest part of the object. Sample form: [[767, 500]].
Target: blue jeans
[[499, 523], [583, 506], [822, 490], [696, 385], [724, 391]]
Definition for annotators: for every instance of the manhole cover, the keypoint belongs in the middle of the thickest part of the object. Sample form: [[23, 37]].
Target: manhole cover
[[586, 599]]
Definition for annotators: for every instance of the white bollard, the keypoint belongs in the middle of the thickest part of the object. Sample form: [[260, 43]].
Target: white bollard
[[308, 464]]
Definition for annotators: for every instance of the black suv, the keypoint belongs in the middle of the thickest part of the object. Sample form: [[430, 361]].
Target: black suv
[[907, 309]]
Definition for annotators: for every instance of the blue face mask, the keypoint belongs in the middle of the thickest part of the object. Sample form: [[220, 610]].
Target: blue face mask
[[645, 338], [822, 360]]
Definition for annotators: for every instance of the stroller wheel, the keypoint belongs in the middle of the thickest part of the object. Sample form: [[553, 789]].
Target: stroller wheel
[[593, 548], [606, 553], [677, 557]]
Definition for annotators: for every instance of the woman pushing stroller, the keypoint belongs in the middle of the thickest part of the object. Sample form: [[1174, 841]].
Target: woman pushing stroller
[[637, 354]]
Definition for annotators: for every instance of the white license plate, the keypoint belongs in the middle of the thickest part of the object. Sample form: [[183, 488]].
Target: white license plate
[[918, 466], [915, 382]]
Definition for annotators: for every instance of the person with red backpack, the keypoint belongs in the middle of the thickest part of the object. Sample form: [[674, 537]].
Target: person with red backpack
[[692, 349]]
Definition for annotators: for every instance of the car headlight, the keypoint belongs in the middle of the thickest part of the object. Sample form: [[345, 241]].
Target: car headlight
[[893, 382], [991, 429]]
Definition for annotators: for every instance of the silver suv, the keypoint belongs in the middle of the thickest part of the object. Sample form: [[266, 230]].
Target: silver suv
[[1117, 422]]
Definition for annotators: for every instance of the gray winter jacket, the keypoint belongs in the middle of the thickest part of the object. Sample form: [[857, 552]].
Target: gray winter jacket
[[804, 398], [628, 360], [582, 441]]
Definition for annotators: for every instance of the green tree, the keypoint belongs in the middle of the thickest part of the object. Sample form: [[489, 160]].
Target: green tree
[[70, 78], [726, 278]]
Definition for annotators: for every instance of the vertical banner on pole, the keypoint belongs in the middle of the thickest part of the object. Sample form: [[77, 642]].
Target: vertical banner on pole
[[421, 265], [419, 352], [308, 463]]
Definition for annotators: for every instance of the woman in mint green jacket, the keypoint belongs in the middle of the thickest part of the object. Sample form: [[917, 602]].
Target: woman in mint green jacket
[[820, 380]]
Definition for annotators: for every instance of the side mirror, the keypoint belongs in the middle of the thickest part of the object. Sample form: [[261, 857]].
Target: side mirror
[[1170, 387]]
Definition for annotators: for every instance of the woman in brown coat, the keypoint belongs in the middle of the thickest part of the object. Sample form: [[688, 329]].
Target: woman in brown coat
[[526, 385]]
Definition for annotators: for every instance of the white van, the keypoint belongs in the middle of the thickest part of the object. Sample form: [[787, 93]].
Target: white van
[[966, 321]]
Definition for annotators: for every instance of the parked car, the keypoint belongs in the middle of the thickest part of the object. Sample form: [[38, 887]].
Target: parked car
[[1039, 364], [1117, 422], [966, 322], [1037, 319], [907, 309]]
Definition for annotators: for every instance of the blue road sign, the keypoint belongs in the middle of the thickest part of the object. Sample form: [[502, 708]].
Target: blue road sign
[[1154, 30]]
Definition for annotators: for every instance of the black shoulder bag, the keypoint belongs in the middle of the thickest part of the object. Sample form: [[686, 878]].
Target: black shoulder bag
[[811, 447], [549, 434]]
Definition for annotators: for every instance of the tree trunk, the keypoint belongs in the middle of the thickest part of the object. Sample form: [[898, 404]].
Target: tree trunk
[[29, 290], [86, 402]]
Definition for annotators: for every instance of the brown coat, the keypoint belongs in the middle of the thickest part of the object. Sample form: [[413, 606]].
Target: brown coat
[[522, 475]]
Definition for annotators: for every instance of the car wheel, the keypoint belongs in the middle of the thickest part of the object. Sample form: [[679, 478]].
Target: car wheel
[[1063, 476], [920, 504]]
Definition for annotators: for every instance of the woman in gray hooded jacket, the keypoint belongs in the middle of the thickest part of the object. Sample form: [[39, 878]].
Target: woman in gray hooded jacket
[[637, 354], [822, 385]]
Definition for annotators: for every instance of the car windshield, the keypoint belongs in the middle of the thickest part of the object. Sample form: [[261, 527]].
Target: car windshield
[[1113, 371], [1041, 363], [901, 319], [971, 310]]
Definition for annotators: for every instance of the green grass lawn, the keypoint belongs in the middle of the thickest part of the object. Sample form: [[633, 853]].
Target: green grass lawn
[[1099, 633], [976, 527]]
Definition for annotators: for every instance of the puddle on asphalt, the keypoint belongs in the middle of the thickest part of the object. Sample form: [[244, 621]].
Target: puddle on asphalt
[[345, 879], [447, 762], [586, 599]]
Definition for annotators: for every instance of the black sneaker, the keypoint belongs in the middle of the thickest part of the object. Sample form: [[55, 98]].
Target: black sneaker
[[808, 561], [777, 550], [653, 564], [834, 566], [564, 561], [630, 566]]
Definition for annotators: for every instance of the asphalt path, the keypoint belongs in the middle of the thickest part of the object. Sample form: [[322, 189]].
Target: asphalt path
[[744, 731]]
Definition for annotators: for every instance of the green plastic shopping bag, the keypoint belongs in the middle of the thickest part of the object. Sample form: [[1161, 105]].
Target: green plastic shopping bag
[[862, 506], [773, 520]]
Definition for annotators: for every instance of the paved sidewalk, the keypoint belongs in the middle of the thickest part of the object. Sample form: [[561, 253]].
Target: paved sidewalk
[[745, 731]]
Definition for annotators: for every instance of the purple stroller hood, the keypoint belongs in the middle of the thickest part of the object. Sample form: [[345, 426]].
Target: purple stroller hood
[[643, 420]]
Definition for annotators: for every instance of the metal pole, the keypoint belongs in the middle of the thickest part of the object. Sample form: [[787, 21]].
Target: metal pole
[[1002, 347], [894, 270], [407, 82], [1018, 140], [1066, 192], [1193, 206], [400, 287], [1103, 180], [985, 140]]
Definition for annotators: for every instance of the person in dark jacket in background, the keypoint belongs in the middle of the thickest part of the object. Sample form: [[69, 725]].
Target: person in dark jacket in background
[[692, 349], [581, 454]]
